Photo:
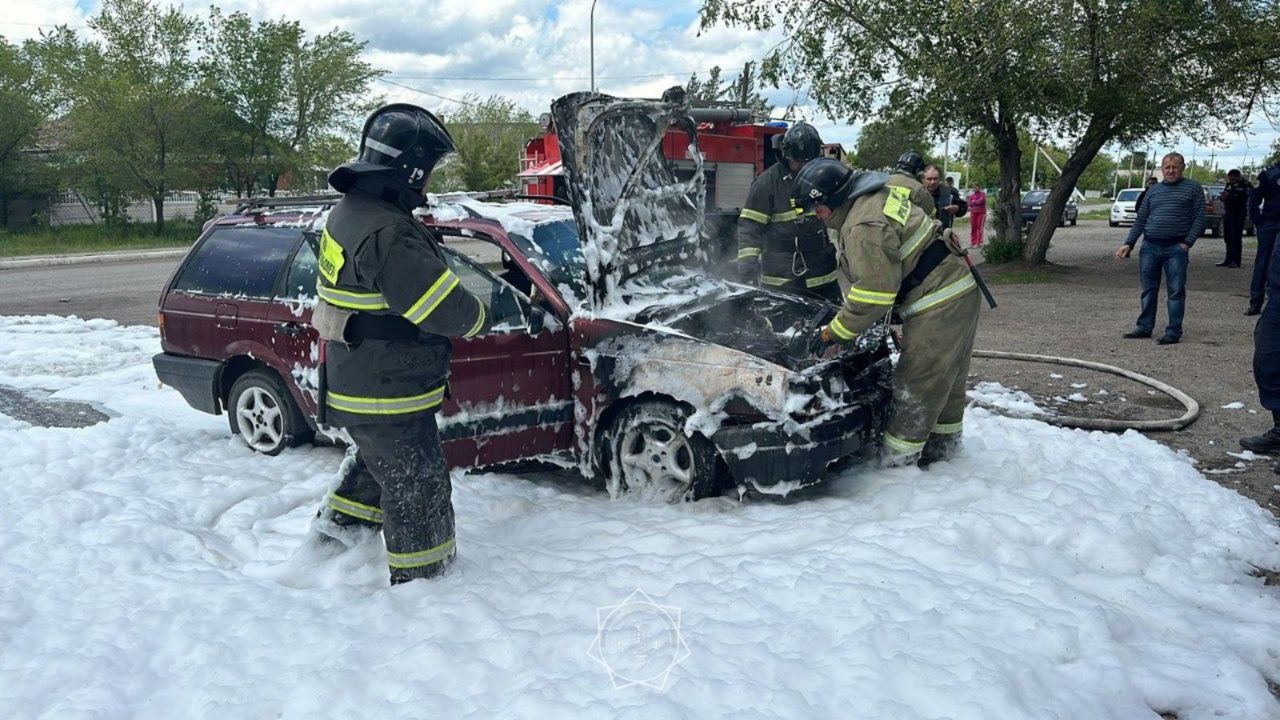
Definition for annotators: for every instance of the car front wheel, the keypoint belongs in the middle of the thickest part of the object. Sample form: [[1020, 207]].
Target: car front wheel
[[263, 414], [648, 453]]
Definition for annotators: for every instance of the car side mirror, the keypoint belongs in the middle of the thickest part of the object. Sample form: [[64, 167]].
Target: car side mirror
[[537, 320]]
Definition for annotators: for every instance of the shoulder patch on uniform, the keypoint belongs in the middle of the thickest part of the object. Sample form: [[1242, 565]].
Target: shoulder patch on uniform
[[897, 206], [331, 259]]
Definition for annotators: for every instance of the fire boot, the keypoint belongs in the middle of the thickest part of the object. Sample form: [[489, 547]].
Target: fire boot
[[939, 447], [331, 526]]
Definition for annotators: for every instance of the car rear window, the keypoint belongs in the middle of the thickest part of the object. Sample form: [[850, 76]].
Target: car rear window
[[1035, 196], [1128, 195], [238, 261]]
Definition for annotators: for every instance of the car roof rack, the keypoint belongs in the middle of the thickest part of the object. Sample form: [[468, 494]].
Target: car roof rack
[[266, 203]]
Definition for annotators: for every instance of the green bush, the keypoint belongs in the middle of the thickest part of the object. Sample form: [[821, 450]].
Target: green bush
[[96, 238], [1002, 251]]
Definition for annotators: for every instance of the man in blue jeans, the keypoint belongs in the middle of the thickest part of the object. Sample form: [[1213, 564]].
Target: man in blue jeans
[[1170, 221], [1264, 210]]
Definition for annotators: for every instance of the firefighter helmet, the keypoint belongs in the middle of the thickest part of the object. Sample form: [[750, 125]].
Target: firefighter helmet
[[801, 143], [407, 139], [824, 181], [910, 163]]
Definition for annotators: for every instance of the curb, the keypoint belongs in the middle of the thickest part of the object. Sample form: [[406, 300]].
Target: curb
[[124, 256]]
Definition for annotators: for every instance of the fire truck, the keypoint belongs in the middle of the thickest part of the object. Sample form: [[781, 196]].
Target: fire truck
[[735, 152]]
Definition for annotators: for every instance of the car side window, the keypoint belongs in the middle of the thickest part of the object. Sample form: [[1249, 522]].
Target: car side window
[[240, 262], [506, 308], [301, 280]]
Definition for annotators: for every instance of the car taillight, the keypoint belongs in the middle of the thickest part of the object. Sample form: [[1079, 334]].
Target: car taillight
[[160, 324]]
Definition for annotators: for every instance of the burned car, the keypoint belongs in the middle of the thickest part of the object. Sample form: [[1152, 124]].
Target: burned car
[[612, 351]]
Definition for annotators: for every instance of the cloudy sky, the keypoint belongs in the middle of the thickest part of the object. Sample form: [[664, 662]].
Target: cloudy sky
[[536, 50]]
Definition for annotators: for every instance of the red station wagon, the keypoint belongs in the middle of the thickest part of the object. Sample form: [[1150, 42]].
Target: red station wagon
[[616, 354]]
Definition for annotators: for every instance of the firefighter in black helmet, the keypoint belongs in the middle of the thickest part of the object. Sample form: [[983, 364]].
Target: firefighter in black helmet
[[898, 260], [906, 173], [388, 305], [779, 245]]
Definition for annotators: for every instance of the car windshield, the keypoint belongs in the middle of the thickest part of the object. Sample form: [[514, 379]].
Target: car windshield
[[554, 249], [1130, 195], [1035, 196]]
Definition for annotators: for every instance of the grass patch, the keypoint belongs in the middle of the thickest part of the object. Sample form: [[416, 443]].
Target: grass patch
[[1102, 214], [96, 238]]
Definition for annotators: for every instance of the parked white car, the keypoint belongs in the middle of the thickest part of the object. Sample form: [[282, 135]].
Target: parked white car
[[1124, 209]]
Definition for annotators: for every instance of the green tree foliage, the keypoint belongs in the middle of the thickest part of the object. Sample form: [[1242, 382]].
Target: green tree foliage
[[881, 141], [284, 99], [132, 98], [490, 134], [1095, 71], [740, 93], [24, 97]]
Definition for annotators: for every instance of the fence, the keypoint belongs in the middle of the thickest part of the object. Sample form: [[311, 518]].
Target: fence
[[72, 208]]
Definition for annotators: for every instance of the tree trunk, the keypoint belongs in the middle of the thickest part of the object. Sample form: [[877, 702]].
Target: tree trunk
[[157, 205], [1008, 220], [1037, 247]]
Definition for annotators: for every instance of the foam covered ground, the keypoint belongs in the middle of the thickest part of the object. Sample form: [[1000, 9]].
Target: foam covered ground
[[155, 567]]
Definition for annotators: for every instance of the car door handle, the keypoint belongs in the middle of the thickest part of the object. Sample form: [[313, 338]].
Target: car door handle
[[290, 328]]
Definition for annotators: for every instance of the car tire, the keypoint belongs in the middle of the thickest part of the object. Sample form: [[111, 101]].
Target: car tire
[[262, 413], [1062, 222], [1073, 222], [1113, 223], [646, 452], [1215, 230]]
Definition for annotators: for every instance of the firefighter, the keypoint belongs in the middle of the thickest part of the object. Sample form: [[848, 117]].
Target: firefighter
[[895, 258], [388, 305], [780, 246], [906, 173]]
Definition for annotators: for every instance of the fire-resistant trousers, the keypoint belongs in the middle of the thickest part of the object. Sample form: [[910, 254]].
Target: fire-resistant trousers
[[400, 479]]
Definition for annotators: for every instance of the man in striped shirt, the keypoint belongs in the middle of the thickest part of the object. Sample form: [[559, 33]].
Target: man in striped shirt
[[1171, 220]]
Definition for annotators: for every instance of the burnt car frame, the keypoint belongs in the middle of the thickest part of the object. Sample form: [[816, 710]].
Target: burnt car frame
[[631, 365]]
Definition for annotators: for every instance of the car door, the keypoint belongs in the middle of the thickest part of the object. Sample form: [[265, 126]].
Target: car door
[[295, 342], [509, 388]]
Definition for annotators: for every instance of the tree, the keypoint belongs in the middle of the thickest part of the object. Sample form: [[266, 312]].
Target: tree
[[24, 99], [1091, 71], [490, 134], [740, 93], [881, 141], [132, 98], [286, 99]]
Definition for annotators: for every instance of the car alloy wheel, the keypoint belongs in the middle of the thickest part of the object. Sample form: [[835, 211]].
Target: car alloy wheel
[[263, 414], [653, 458]]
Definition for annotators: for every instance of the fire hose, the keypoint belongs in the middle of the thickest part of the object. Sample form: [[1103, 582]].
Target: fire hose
[[1191, 407]]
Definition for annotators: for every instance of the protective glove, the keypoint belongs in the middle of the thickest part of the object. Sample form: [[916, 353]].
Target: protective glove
[[749, 270]]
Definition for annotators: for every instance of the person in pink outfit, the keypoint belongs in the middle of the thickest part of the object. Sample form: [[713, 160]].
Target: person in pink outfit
[[977, 215]]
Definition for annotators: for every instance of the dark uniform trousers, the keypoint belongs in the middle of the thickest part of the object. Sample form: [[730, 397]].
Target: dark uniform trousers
[[1266, 344], [408, 470]]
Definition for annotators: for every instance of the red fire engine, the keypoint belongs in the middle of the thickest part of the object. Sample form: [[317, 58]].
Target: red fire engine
[[735, 151]]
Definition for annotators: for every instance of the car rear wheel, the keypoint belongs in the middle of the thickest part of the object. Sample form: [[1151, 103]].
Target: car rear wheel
[[649, 454], [1113, 223], [261, 411]]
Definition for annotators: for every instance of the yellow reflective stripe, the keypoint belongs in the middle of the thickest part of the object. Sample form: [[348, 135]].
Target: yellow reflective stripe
[[351, 300], [948, 428], [385, 406], [422, 558], [937, 297], [792, 215], [432, 298], [924, 233], [774, 280], [350, 507], [839, 329], [747, 252], [822, 279], [754, 216], [870, 297], [900, 446], [479, 321]]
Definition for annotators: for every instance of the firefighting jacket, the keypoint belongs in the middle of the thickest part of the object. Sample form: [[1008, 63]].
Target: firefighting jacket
[[883, 235], [919, 195], [790, 243], [378, 260]]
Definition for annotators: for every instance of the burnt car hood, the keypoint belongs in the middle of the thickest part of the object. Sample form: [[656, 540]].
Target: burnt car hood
[[635, 211], [777, 327]]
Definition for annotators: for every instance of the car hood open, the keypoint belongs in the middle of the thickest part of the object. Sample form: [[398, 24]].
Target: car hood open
[[634, 210]]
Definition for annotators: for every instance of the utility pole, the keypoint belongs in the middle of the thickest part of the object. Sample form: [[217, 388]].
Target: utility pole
[[946, 155], [593, 45], [1035, 162]]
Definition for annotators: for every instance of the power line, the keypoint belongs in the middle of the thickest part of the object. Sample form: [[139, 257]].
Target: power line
[[425, 92]]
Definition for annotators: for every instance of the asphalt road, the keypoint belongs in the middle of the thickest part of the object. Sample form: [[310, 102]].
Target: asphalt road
[[128, 292]]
